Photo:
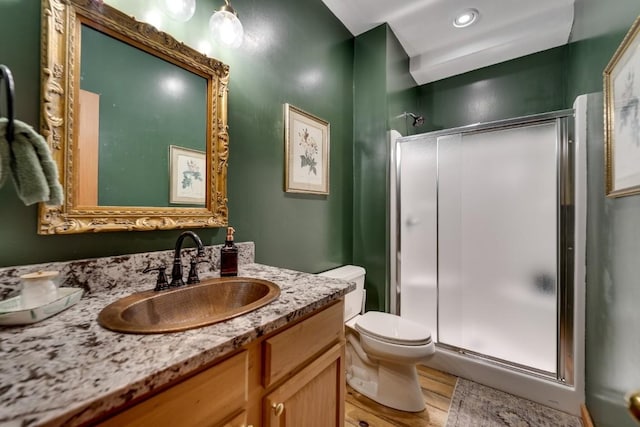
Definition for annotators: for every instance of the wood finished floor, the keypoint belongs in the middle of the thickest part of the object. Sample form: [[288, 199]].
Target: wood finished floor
[[437, 389]]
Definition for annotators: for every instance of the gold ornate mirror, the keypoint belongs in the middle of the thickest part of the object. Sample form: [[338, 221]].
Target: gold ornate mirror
[[136, 122]]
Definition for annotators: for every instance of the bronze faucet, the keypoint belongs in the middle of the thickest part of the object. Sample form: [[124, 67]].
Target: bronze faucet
[[176, 272]]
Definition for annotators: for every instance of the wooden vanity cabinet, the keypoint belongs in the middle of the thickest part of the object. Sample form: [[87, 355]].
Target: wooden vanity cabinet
[[293, 377]]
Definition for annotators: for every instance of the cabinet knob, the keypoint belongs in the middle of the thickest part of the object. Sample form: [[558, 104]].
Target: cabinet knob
[[633, 403], [278, 409]]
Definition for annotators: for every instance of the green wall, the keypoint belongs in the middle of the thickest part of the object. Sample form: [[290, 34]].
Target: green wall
[[310, 55], [383, 90], [294, 51], [370, 162], [402, 96], [523, 86]]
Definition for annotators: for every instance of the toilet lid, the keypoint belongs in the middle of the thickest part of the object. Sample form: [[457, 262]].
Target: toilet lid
[[392, 329]]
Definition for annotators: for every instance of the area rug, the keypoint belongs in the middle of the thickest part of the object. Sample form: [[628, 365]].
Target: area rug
[[475, 405]]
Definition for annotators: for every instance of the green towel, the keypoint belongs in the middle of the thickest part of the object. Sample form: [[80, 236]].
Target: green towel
[[34, 172]]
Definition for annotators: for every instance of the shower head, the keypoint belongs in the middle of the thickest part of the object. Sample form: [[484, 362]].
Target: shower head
[[417, 120]]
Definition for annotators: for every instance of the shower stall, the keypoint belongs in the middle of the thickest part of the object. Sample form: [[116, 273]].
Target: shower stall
[[487, 226]]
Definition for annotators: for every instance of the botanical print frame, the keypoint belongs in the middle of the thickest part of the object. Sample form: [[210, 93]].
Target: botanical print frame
[[187, 176], [306, 152], [622, 117]]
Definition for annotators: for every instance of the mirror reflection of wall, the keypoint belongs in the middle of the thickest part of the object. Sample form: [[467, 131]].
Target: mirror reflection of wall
[[141, 105]]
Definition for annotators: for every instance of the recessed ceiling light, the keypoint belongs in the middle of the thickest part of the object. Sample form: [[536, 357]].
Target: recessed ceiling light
[[466, 18]]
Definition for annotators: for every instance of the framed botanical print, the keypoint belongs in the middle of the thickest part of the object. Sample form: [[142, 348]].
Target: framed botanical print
[[622, 116], [306, 152]]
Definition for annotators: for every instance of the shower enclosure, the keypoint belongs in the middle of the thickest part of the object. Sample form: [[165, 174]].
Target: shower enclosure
[[485, 251]]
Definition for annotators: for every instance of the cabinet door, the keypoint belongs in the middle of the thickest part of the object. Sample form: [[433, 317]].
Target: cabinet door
[[239, 420], [205, 399], [314, 397], [298, 344]]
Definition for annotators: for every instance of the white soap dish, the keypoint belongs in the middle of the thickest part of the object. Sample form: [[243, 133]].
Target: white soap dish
[[13, 313]]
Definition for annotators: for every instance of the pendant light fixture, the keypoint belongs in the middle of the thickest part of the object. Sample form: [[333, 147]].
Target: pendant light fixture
[[225, 27], [179, 10]]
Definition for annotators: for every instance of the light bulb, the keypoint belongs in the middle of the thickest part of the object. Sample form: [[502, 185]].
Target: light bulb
[[225, 27], [466, 18], [179, 10]]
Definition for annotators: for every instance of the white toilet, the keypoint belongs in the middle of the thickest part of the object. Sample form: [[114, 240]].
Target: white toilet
[[382, 349]]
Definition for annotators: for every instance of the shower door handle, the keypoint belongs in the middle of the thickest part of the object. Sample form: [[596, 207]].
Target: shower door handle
[[633, 404], [411, 221]]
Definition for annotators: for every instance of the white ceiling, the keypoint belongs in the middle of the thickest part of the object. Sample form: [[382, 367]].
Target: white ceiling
[[506, 29]]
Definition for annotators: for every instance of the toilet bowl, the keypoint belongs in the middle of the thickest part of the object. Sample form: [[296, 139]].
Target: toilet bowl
[[382, 349]]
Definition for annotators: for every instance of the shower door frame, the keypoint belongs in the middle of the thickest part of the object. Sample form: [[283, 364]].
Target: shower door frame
[[565, 215]]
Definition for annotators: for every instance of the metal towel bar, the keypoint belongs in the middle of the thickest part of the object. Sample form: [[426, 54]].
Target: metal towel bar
[[5, 74]]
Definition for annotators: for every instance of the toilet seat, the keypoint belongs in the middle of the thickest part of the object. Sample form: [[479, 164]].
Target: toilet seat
[[392, 329]]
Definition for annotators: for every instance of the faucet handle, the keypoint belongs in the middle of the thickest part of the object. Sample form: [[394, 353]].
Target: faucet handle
[[161, 283], [193, 270]]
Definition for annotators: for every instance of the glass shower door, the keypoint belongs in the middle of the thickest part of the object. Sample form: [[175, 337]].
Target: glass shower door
[[418, 268], [497, 244]]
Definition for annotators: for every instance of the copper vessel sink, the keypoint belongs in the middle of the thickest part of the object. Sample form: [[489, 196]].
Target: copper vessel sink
[[188, 307]]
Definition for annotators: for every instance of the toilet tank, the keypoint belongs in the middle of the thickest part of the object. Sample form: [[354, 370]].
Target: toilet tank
[[354, 300]]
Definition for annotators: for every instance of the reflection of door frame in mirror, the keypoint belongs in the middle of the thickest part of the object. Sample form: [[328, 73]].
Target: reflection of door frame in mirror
[[60, 74]]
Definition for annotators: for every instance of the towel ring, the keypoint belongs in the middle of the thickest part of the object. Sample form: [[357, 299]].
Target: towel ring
[[5, 73]]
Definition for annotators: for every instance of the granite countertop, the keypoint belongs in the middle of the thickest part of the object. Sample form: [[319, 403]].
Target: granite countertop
[[68, 369]]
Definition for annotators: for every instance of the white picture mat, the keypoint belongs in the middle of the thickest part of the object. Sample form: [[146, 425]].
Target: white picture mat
[[626, 118], [188, 176], [307, 152]]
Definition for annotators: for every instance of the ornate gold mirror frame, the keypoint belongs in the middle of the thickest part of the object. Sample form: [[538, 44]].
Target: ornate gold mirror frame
[[60, 71]]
